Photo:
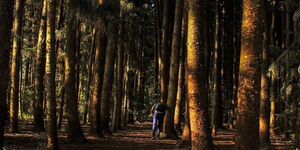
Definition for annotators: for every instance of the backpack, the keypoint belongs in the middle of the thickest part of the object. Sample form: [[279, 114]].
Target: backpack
[[160, 107]]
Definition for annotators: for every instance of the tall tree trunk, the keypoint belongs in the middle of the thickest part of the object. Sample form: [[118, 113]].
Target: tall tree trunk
[[250, 75], [101, 44], [158, 43], [107, 84], [50, 76], [91, 68], [196, 79], [6, 11], [264, 119], [38, 111], [15, 66], [74, 131], [164, 74], [216, 119], [62, 96], [119, 89], [174, 68]]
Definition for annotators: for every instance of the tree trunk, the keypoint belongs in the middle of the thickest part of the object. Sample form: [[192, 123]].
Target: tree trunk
[[50, 76], [216, 117], [62, 96], [38, 111], [119, 88], [6, 11], [15, 66], [101, 43], [174, 68], [196, 79], [250, 75], [74, 131], [107, 84], [264, 118], [164, 70]]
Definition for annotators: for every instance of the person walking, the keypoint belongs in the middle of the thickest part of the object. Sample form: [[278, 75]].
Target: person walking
[[158, 112]]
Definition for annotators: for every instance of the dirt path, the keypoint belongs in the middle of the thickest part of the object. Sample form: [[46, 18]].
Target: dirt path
[[134, 137]]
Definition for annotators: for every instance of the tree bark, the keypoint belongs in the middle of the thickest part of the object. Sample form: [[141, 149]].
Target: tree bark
[[164, 70], [101, 44], [174, 68], [38, 111], [196, 79], [250, 75], [216, 119], [74, 131], [50, 76], [264, 118], [15, 66], [6, 11]]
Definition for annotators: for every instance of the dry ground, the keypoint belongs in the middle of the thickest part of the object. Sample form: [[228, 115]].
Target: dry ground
[[134, 137]]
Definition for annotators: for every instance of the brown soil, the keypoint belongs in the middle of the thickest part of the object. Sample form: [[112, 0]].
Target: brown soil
[[134, 137]]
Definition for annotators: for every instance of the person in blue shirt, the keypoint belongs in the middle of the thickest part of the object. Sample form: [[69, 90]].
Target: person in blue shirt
[[158, 112]]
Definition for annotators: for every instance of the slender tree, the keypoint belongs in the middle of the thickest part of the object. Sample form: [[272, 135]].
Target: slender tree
[[101, 44], [38, 112], [15, 66], [174, 68], [250, 75], [50, 76], [196, 89], [264, 118], [6, 10]]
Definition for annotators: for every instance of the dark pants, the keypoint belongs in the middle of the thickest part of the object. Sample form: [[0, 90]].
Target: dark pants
[[158, 119]]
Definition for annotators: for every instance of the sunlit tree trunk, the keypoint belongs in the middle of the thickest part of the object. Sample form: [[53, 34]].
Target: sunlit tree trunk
[[74, 131], [196, 76], [62, 96], [250, 75], [6, 11], [264, 119], [174, 68], [38, 112], [15, 66], [101, 43], [50, 76]]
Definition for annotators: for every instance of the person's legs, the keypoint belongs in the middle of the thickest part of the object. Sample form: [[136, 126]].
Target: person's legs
[[154, 124], [160, 118]]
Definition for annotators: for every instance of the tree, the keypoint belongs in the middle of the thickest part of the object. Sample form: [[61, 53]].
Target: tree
[[50, 76], [196, 76], [101, 44], [250, 75], [38, 112], [74, 130], [216, 116], [109, 71], [15, 66], [174, 69], [6, 9], [264, 118]]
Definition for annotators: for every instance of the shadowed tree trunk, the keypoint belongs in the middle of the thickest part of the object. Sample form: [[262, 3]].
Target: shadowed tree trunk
[[196, 79], [6, 11], [250, 75], [15, 66], [74, 131], [174, 68], [38, 112], [164, 74], [120, 72], [50, 76], [216, 117]]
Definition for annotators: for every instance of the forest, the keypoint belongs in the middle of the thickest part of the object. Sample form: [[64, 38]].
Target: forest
[[85, 74]]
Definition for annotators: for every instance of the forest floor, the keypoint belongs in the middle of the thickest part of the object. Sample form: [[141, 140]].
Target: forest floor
[[133, 137]]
